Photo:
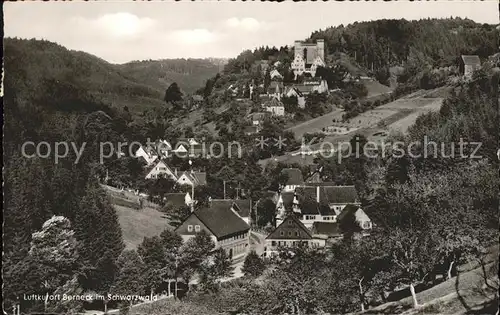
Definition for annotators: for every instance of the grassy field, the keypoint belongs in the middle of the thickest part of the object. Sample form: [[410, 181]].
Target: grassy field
[[136, 224]]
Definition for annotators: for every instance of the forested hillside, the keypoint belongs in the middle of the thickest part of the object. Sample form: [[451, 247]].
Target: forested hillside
[[190, 74], [138, 85]]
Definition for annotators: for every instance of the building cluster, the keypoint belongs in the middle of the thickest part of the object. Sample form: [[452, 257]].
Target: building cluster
[[307, 58], [310, 211]]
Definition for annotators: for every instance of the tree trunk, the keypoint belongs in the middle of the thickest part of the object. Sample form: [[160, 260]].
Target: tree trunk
[[46, 302], [105, 306], [361, 297], [175, 289], [168, 287], [450, 268], [413, 295]]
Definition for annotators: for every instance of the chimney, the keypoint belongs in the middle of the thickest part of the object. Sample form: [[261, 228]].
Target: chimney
[[317, 194]]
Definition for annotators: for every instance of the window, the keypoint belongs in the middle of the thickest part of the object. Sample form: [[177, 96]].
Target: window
[[366, 225], [190, 228], [289, 233], [296, 233], [273, 243], [290, 222], [197, 228], [282, 233]]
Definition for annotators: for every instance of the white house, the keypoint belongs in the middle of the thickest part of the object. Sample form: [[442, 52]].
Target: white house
[[192, 178], [161, 169], [275, 107], [301, 100], [275, 75], [147, 153]]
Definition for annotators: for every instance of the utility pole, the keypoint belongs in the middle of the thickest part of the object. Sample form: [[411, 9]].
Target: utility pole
[[224, 189], [238, 191]]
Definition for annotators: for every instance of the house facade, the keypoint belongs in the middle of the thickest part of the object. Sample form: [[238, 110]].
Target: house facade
[[294, 92], [275, 107], [148, 154], [291, 232], [226, 229], [316, 202], [469, 64]]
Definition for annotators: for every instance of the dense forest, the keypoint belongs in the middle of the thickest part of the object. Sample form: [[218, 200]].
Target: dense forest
[[137, 85]]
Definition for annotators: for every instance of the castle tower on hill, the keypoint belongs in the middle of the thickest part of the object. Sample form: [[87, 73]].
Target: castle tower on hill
[[308, 56]]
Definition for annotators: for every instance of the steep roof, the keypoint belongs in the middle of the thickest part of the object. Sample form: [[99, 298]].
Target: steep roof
[[471, 60], [198, 178], [349, 209], [294, 176], [241, 206], [331, 229], [221, 220], [290, 224], [273, 102]]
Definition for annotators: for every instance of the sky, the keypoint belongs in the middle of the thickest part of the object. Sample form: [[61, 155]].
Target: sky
[[122, 31]]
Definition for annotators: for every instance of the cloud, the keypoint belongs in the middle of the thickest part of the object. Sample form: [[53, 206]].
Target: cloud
[[194, 36], [249, 24], [120, 24]]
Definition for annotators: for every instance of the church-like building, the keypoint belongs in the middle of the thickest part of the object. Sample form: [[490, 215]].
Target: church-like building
[[308, 57]]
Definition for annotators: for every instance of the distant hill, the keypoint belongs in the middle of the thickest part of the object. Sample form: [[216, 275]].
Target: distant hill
[[190, 74], [137, 85]]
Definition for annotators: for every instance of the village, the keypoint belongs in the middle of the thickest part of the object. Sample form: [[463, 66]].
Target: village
[[286, 161]]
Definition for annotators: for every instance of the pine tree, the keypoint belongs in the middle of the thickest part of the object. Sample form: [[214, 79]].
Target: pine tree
[[130, 279]]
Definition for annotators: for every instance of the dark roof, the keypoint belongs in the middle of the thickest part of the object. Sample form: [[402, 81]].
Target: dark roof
[[329, 194], [273, 102], [296, 226], [471, 59], [349, 209], [288, 199], [296, 91], [221, 220], [341, 194], [198, 178], [308, 202], [241, 206], [294, 176], [251, 129], [176, 199], [326, 228]]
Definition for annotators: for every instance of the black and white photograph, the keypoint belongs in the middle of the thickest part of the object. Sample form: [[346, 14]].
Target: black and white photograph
[[251, 157]]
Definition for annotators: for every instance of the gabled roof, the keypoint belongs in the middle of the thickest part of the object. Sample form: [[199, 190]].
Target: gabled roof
[[221, 220], [294, 176], [160, 163], [287, 198], [329, 194], [243, 207], [471, 60], [349, 209], [295, 226], [331, 229], [198, 178], [273, 102], [297, 91]]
